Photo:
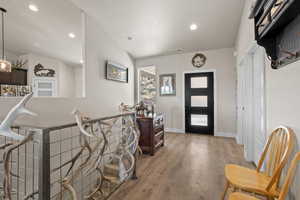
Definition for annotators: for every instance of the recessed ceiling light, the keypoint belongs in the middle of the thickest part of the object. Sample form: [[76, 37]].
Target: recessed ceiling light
[[72, 35], [193, 27], [33, 7], [81, 61]]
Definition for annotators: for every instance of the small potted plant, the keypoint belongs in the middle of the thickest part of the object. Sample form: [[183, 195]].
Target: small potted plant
[[19, 64]]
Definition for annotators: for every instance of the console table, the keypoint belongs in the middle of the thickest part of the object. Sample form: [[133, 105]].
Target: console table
[[152, 133]]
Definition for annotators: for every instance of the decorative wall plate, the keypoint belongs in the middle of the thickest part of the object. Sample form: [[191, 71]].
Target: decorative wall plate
[[41, 71], [199, 60]]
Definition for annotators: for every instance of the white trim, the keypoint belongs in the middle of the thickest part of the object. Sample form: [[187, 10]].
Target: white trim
[[215, 95], [84, 53], [174, 130], [225, 134]]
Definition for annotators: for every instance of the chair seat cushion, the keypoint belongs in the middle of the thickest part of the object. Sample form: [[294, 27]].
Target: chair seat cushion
[[241, 196], [249, 180]]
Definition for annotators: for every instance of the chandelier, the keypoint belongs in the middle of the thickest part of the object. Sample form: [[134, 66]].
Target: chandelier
[[5, 66]]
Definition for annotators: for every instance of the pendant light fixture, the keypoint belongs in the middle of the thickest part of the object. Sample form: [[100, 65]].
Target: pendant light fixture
[[5, 66]]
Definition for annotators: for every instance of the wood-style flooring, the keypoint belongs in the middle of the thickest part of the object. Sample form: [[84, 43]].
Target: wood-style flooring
[[189, 167]]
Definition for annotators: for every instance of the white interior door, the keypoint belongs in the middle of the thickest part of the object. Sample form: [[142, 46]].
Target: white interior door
[[44, 87], [259, 102], [251, 104], [248, 108], [241, 104]]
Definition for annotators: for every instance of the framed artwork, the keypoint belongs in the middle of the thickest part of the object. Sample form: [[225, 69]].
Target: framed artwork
[[14, 90], [167, 85], [23, 90], [116, 72], [8, 90]]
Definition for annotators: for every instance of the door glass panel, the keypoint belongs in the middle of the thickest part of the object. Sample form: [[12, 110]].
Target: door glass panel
[[199, 82], [44, 85], [45, 93], [199, 120], [199, 101]]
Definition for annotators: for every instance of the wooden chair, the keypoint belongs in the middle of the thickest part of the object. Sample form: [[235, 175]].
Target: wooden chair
[[275, 155], [285, 187]]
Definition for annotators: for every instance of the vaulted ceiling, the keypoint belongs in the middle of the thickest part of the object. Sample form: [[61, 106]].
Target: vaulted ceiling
[[44, 32], [156, 27], [160, 27]]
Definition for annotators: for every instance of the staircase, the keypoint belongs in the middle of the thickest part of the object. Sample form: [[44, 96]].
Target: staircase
[[114, 171]]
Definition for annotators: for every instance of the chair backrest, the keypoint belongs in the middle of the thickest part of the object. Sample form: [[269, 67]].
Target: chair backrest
[[290, 177], [276, 154]]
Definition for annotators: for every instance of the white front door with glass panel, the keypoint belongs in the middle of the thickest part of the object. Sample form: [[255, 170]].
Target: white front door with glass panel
[[44, 87]]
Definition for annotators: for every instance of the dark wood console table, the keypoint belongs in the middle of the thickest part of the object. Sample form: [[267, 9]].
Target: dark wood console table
[[152, 133], [15, 77]]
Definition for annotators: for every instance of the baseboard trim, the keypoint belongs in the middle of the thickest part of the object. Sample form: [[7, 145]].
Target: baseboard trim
[[225, 134], [174, 130], [217, 134]]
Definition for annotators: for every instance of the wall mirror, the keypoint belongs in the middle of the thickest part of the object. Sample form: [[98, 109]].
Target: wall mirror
[[44, 43]]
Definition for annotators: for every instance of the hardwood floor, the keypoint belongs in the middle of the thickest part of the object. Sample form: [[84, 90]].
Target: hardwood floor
[[189, 167]]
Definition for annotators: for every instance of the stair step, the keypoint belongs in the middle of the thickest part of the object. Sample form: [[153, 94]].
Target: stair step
[[112, 179], [111, 169], [115, 161]]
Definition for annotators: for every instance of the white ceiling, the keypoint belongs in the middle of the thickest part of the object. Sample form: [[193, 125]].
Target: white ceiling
[[162, 26], [44, 32]]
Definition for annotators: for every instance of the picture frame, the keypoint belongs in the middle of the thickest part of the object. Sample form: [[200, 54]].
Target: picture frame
[[116, 72], [14, 90], [167, 85], [23, 90], [8, 90]]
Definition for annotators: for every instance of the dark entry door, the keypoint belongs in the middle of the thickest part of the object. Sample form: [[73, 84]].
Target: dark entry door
[[199, 103]]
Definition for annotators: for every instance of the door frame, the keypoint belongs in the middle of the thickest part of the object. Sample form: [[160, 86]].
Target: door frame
[[214, 71]]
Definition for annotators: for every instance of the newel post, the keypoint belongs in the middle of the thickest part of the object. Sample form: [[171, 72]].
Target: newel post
[[44, 164]]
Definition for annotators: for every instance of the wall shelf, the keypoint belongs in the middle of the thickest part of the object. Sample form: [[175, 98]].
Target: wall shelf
[[273, 21], [15, 77]]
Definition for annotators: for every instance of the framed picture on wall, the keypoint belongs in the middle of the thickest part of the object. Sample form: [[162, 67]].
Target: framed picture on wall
[[167, 85], [8, 90], [116, 72]]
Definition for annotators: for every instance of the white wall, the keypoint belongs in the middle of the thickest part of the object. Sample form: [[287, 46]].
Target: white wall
[[223, 62], [10, 56], [246, 32], [66, 81], [282, 89], [102, 96], [78, 71]]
